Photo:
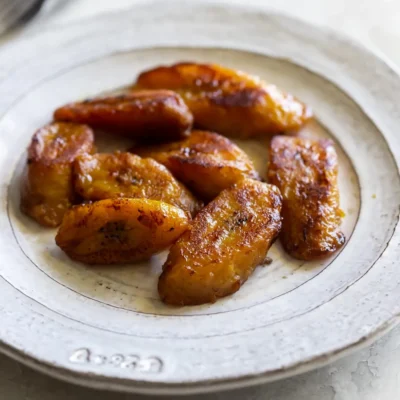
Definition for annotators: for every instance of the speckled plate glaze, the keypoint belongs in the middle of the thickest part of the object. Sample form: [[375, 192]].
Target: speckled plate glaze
[[105, 327]]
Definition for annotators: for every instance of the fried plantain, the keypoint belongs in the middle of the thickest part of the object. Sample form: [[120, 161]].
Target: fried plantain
[[120, 230], [227, 240], [306, 173], [47, 189], [103, 176], [143, 115], [206, 162], [227, 101]]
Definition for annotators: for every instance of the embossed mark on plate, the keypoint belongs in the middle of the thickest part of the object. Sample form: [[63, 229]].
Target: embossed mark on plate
[[134, 362]]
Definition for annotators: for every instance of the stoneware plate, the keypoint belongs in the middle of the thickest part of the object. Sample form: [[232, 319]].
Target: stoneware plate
[[106, 327]]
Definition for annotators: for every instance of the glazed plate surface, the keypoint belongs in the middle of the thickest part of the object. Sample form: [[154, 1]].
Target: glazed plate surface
[[106, 327]]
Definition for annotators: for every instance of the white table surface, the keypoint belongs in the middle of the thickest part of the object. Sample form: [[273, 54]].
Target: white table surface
[[369, 374]]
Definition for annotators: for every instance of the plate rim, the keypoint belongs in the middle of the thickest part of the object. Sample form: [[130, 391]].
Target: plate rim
[[182, 389]]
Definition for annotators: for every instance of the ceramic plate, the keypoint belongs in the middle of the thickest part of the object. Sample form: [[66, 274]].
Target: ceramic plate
[[106, 327]]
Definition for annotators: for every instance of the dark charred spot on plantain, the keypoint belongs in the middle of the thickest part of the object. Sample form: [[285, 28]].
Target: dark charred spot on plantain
[[84, 221], [247, 97], [241, 221], [318, 191], [193, 161], [121, 97], [113, 231], [305, 234], [155, 218], [113, 226], [237, 220]]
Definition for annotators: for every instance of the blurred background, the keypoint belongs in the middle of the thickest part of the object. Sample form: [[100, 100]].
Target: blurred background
[[370, 374], [374, 22]]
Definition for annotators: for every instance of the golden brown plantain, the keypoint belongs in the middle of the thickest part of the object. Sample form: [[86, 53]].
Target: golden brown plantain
[[47, 189], [120, 230], [227, 101], [143, 115], [103, 176], [227, 240], [306, 173], [206, 162]]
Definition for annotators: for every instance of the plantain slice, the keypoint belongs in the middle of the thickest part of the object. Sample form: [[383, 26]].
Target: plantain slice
[[120, 230], [205, 162], [306, 173], [143, 115], [227, 240], [228, 101], [47, 189], [103, 176]]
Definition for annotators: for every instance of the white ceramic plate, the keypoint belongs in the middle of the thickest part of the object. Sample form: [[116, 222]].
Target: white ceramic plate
[[105, 327]]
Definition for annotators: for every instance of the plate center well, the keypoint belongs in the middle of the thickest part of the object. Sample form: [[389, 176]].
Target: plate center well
[[134, 288]]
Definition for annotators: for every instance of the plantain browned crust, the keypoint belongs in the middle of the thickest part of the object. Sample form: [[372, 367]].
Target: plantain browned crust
[[227, 240], [227, 101], [47, 189], [306, 173], [143, 115], [120, 230], [111, 175], [205, 161]]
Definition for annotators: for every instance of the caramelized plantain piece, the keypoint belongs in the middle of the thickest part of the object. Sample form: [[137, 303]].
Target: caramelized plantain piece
[[143, 115], [227, 240], [47, 189], [103, 176], [306, 173], [206, 162], [227, 101], [120, 230]]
